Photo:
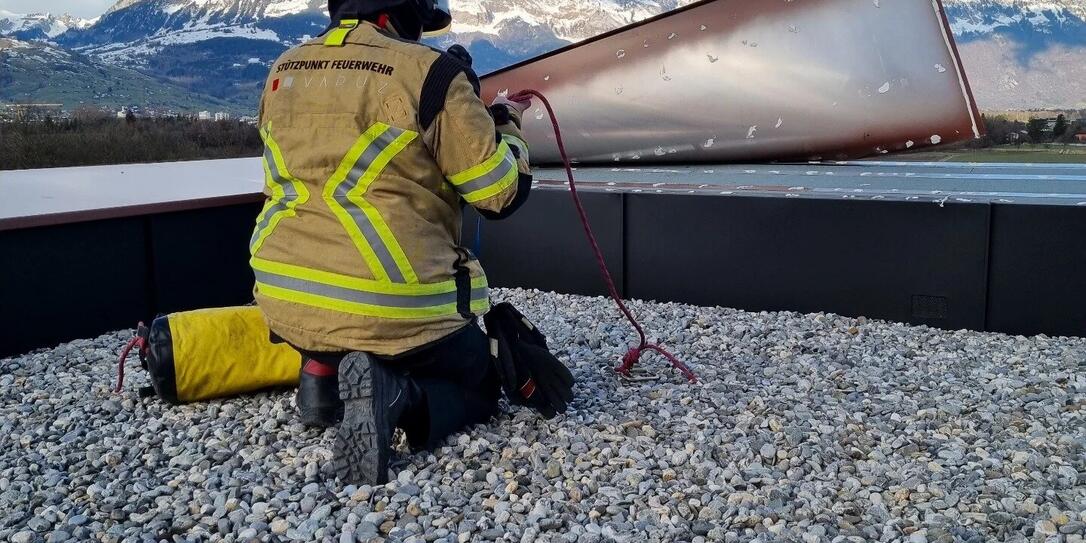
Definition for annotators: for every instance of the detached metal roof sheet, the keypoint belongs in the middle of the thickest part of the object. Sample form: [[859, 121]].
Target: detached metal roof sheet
[[753, 80]]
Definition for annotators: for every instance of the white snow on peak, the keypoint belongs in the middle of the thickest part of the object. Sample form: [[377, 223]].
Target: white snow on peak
[[571, 20], [121, 4], [574, 20], [286, 7], [985, 16], [1075, 7], [49, 24]]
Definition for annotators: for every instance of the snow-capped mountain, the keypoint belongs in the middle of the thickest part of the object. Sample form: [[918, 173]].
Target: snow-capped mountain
[[217, 47], [1019, 53], [76, 80], [523, 28], [1023, 54], [223, 47], [1036, 22], [38, 26], [569, 20], [133, 29], [990, 14]]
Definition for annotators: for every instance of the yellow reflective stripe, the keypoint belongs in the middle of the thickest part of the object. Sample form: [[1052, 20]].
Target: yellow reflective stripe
[[262, 229], [338, 35], [332, 304], [521, 144], [494, 189], [312, 288], [362, 165], [358, 283], [356, 196], [486, 167], [353, 308], [269, 203], [280, 204], [480, 306], [287, 192], [353, 231], [490, 178], [277, 192]]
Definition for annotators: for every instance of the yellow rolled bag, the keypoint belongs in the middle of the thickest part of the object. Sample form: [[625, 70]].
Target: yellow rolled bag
[[210, 353]]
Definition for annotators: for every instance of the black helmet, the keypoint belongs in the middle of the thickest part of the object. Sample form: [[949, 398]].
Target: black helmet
[[440, 19], [434, 14]]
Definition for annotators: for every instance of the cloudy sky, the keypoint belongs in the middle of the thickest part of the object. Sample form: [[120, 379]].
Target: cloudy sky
[[79, 8]]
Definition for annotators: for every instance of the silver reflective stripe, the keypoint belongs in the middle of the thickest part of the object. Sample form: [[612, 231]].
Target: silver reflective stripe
[[364, 162], [480, 293], [508, 162], [290, 195], [405, 301]]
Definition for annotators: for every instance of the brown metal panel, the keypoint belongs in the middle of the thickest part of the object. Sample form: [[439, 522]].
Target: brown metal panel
[[751, 80]]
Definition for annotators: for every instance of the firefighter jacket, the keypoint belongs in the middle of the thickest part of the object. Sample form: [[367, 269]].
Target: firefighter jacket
[[372, 146]]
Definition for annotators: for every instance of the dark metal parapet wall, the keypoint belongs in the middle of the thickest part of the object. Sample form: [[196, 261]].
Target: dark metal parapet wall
[[1002, 267], [1003, 260], [80, 279]]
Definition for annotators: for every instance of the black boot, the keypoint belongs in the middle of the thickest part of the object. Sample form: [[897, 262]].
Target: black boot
[[318, 395], [374, 399]]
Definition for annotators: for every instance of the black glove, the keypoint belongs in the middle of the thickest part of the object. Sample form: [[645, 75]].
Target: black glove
[[530, 374]]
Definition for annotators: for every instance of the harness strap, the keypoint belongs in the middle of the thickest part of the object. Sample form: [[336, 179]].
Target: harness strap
[[463, 285], [435, 88], [338, 36]]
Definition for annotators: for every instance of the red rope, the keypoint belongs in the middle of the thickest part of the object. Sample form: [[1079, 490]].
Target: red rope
[[634, 354], [136, 341]]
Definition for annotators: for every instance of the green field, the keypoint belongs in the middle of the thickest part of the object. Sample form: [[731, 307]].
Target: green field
[[1049, 153]]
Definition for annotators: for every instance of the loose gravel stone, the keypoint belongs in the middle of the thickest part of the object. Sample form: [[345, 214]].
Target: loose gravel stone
[[279, 526], [59, 536], [1046, 527], [815, 428]]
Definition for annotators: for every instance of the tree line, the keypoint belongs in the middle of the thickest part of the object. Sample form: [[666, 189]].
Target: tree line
[[96, 138], [1003, 130], [93, 137]]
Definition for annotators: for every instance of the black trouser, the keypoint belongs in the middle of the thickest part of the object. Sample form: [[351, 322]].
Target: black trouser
[[458, 383]]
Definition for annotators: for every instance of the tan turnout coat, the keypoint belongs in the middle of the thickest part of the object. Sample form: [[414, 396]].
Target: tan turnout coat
[[372, 144]]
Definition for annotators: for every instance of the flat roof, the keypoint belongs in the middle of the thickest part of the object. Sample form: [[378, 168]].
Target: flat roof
[[62, 195], [1052, 184]]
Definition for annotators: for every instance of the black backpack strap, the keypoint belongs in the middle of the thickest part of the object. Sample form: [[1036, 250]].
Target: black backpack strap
[[435, 88], [462, 278]]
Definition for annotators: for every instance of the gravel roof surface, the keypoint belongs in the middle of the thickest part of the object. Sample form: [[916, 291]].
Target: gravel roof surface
[[803, 428]]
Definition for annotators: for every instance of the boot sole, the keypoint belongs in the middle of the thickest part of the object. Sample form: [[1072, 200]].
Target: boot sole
[[362, 440], [320, 417]]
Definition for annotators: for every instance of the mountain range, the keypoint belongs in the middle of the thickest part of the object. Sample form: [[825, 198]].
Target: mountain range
[[38, 26], [1019, 54], [77, 80]]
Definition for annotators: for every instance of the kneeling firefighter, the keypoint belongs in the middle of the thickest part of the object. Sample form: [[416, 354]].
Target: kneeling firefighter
[[373, 144]]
